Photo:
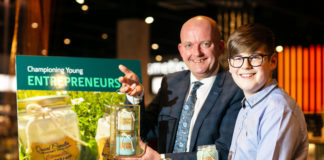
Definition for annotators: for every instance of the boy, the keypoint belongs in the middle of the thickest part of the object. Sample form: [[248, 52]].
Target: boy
[[270, 125]]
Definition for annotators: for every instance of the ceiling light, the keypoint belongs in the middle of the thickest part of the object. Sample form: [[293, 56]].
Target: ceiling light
[[104, 36], [67, 41], [44, 52], [34, 25], [279, 48], [158, 58], [84, 7], [155, 46], [80, 1], [149, 20]]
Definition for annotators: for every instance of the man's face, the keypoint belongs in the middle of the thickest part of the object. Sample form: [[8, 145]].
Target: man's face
[[249, 78], [199, 49]]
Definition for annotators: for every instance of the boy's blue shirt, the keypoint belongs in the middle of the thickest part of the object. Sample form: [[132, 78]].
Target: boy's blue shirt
[[270, 125]]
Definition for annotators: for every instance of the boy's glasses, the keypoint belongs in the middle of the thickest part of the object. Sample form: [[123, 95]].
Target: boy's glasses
[[254, 60]]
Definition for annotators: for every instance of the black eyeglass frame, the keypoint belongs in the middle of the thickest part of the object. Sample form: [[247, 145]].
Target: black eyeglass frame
[[248, 59]]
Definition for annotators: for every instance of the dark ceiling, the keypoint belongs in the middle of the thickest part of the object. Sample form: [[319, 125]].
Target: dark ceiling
[[294, 22]]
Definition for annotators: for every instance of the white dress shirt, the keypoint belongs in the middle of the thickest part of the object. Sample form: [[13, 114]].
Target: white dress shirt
[[202, 93]]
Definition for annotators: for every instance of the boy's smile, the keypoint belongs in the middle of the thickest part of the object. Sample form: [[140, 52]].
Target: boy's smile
[[247, 75]]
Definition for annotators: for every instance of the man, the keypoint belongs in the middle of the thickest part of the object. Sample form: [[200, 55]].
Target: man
[[215, 103]]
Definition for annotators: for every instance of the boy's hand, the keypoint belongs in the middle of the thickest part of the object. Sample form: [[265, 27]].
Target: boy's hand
[[130, 82]]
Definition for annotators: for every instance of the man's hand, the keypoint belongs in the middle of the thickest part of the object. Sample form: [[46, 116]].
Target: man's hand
[[130, 82], [148, 154]]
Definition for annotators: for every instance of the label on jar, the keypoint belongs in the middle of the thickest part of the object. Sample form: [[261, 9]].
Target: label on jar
[[126, 122], [64, 149], [125, 145]]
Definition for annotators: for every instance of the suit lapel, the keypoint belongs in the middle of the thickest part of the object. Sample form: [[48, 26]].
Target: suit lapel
[[210, 102], [180, 91]]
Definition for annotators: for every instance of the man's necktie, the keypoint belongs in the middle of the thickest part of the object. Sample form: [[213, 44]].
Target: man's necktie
[[185, 119]]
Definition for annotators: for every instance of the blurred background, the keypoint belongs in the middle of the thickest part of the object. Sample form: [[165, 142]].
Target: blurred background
[[148, 30]]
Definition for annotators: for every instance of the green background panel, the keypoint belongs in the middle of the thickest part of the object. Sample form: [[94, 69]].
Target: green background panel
[[92, 67]]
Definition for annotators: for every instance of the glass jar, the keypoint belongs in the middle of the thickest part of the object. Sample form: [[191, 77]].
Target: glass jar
[[124, 121], [207, 152], [48, 128], [103, 137]]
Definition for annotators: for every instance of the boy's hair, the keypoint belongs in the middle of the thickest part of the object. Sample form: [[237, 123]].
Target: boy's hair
[[249, 38]]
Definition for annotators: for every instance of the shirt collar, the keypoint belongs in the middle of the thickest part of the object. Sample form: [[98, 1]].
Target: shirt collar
[[259, 96], [206, 81]]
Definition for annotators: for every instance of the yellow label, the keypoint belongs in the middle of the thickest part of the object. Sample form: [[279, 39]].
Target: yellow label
[[104, 149], [126, 145], [64, 149], [126, 121]]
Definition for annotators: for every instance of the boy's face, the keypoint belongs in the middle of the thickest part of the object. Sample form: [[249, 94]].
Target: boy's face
[[255, 72]]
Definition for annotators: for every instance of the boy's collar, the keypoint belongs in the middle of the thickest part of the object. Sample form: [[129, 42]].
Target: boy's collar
[[259, 96]]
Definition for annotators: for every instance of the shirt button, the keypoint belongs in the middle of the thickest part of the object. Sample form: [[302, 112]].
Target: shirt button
[[180, 144], [186, 107], [185, 124]]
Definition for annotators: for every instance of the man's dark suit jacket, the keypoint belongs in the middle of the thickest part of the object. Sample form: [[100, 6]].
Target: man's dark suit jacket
[[214, 124]]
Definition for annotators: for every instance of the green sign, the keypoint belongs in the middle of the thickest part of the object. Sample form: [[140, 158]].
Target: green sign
[[64, 105], [71, 74]]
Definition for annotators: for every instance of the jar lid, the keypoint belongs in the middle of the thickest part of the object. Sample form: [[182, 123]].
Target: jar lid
[[51, 101], [207, 147], [128, 110]]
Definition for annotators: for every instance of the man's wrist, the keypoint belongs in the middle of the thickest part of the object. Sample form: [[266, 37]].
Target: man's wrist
[[135, 99], [162, 156]]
